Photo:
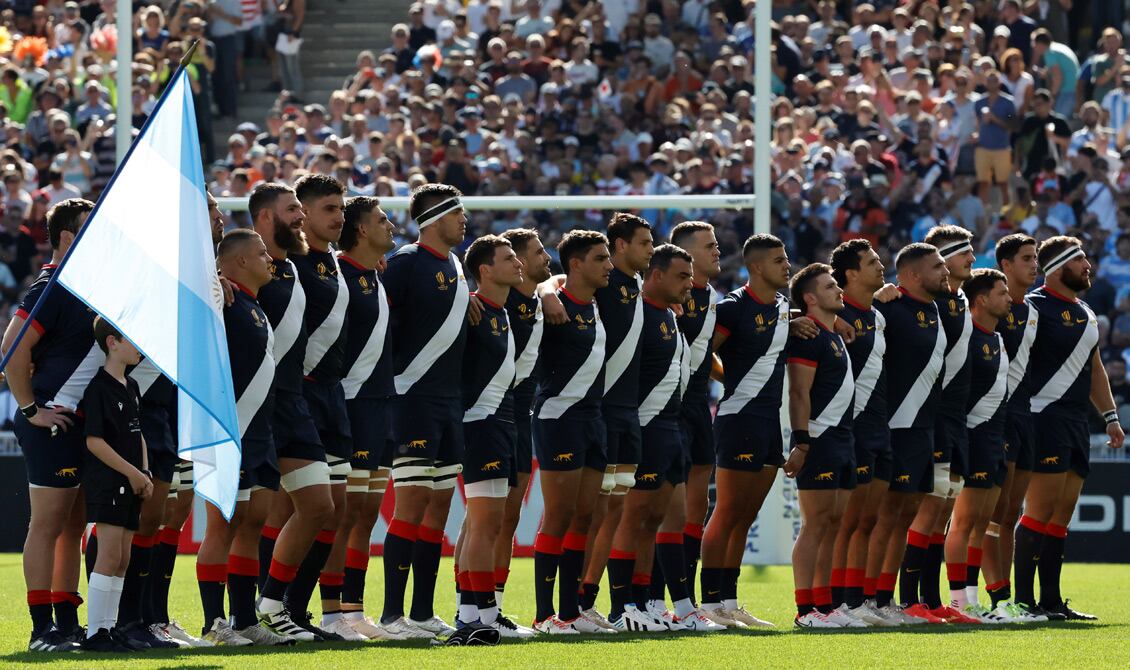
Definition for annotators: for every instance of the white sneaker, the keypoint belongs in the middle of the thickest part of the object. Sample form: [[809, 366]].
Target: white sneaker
[[371, 630], [815, 619], [588, 627], [981, 613], [341, 627], [598, 618], [1020, 614], [907, 619], [555, 626], [404, 630], [658, 611], [280, 623], [177, 632], [740, 614], [435, 625], [719, 617], [262, 637], [864, 614], [698, 622], [892, 615], [882, 618], [222, 635], [507, 628], [840, 616], [639, 622], [158, 631]]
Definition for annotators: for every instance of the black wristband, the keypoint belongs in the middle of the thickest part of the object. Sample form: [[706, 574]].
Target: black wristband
[[1110, 416], [30, 410], [801, 437]]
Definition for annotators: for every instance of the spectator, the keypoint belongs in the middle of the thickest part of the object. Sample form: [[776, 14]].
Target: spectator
[[1060, 69], [534, 22], [996, 115]]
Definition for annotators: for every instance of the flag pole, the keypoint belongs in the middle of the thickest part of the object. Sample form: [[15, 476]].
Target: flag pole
[[113, 178]]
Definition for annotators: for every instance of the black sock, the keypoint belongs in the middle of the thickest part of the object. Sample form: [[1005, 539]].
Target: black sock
[[1000, 593], [330, 586], [164, 560], [657, 588], [353, 583], [640, 591], [711, 579], [241, 598], [298, 594], [885, 589], [730, 583], [39, 606], [484, 600], [267, 539], [140, 559], [620, 566], [547, 558], [66, 612], [572, 562], [1051, 565], [912, 562], [588, 595], [91, 556], [932, 573], [672, 562], [972, 575], [397, 561], [1027, 553], [692, 549], [211, 580], [425, 571]]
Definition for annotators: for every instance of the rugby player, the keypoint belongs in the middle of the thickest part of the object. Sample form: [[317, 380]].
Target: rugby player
[[1065, 374], [428, 302], [60, 345], [822, 457], [366, 236], [569, 435]]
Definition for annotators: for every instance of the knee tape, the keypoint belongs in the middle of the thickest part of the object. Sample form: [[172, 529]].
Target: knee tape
[[447, 476], [339, 469], [608, 483], [625, 479], [186, 475], [379, 483], [174, 486], [413, 472], [955, 488], [243, 495], [358, 481], [491, 488], [311, 474], [942, 481]]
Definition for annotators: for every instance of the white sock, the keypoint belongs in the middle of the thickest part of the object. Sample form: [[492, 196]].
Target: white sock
[[971, 594], [730, 603], [327, 619], [353, 616], [683, 607], [111, 612], [468, 613], [957, 598], [270, 606], [99, 593], [498, 599], [488, 616]]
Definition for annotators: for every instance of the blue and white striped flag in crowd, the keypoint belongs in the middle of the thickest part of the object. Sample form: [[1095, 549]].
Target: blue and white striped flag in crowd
[[145, 262]]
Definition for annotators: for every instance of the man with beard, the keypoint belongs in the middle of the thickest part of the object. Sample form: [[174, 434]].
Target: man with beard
[[278, 217], [1065, 373], [913, 360]]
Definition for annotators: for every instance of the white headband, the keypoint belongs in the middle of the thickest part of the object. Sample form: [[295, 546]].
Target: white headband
[[1062, 259], [954, 249], [436, 213]]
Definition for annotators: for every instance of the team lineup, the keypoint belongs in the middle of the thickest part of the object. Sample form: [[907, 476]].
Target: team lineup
[[938, 422]]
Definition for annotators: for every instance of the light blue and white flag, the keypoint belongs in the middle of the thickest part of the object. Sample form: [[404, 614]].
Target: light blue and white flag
[[145, 262]]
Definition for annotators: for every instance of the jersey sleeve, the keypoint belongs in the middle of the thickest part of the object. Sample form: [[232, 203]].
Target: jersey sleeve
[[45, 317], [93, 412], [396, 277], [727, 312], [802, 352]]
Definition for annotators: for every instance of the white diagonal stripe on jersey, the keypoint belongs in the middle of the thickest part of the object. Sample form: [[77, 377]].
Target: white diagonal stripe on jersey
[[144, 373], [620, 359], [837, 407], [701, 345], [249, 402], [443, 339], [329, 329], [491, 397], [957, 357], [988, 404], [1019, 365], [290, 325], [920, 390], [658, 397], [1066, 375], [582, 380], [524, 366], [685, 369], [72, 390], [371, 353], [750, 385], [872, 367]]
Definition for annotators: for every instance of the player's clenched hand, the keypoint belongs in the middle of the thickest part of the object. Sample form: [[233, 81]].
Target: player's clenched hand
[[888, 293], [52, 417], [475, 311], [796, 460], [803, 327], [1117, 437], [382, 264], [229, 291], [554, 311], [844, 330], [140, 484]]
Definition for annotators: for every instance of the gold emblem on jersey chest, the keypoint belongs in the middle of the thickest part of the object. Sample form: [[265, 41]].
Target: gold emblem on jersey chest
[[664, 331], [441, 281], [255, 317]]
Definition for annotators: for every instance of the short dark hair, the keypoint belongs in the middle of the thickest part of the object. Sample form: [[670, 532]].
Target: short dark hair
[[913, 252], [759, 242], [623, 226], [1054, 246], [233, 240], [846, 257], [662, 256], [981, 281], [939, 236], [1041, 35], [313, 186], [104, 329], [355, 210], [1010, 245], [66, 216], [264, 197], [683, 231], [519, 238], [481, 252], [427, 196], [576, 244], [802, 283]]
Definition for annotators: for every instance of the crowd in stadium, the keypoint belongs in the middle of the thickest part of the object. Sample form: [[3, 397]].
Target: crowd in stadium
[[879, 131]]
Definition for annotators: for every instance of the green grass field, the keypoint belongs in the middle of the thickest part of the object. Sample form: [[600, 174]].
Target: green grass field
[[1101, 589]]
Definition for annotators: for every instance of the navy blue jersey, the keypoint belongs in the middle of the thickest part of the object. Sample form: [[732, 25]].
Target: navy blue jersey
[[621, 310], [326, 301], [367, 360], [833, 386], [571, 366], [285, 303], [488, 366], [866, 352], [156, 389], [663, 365], [251, 344], [112, 411], [696, 323], [66, 357], [428, 298], [1019, 331], [527, 323], [953, 311], [1059, 367], [916, 345], [988, 379], [753, 355]]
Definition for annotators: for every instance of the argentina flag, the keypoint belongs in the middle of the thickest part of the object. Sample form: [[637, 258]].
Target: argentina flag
[[145, 262]]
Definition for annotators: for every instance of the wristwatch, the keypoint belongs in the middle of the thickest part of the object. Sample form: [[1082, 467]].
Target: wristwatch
[[29, 411]]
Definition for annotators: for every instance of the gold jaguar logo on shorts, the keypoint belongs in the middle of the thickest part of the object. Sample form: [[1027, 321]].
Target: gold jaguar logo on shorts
[[66, 472], [564, 458], [647, 477], [418, 444], [979, 476], [903, 479], [491, 466], [744, 458], [1050, 460], [863, 469], [360, 454], [937, 455], [824, 477]]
